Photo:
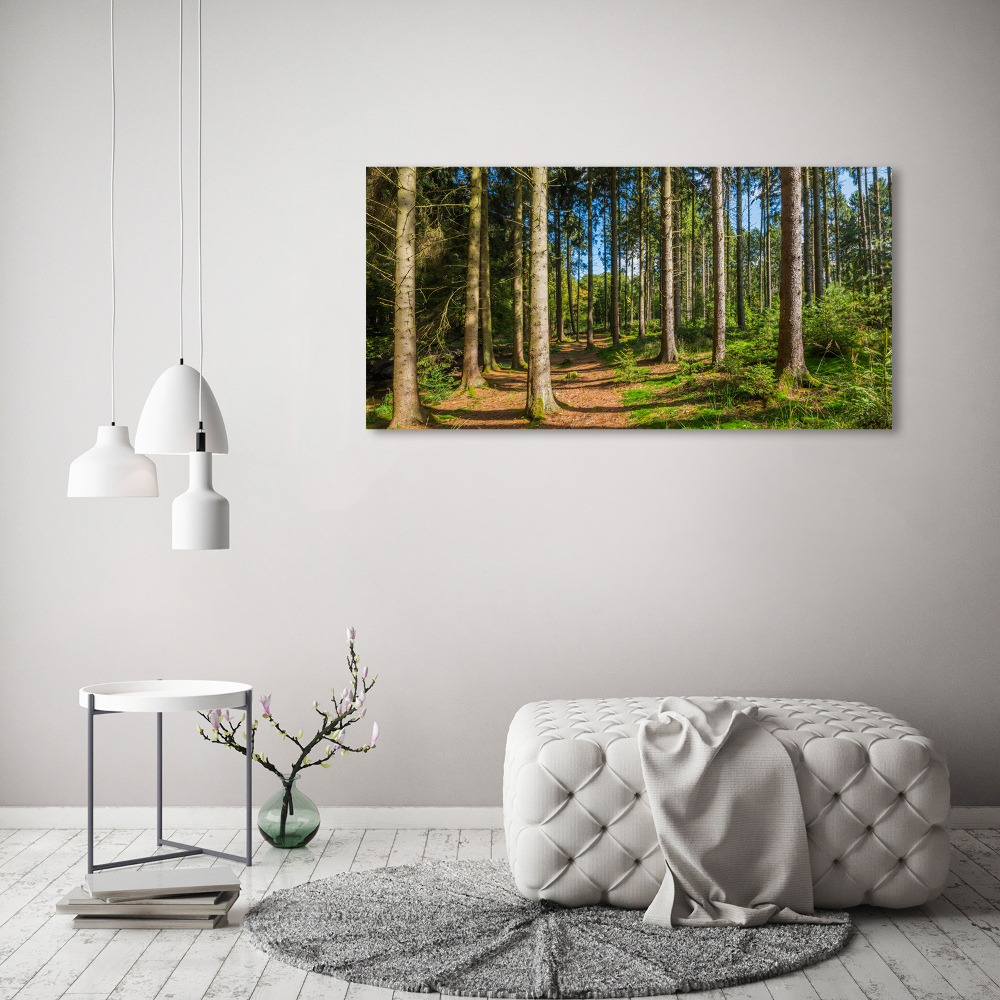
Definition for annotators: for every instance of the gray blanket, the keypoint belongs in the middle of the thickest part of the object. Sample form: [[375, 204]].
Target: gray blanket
[[728, 817]]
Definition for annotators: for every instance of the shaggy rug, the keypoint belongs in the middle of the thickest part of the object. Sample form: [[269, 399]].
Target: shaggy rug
[[461, 927]]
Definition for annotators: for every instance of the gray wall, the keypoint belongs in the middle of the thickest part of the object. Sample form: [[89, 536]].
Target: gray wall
[[481, 570]]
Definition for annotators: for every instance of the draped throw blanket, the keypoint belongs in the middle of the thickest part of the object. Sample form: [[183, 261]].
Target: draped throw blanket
[[728, 818]]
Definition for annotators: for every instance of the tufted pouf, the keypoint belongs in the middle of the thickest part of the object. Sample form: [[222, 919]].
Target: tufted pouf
[[875, 797]]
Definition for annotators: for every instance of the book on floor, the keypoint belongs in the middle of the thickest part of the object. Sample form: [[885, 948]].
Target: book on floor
[[79, 902], [191, 923], [149, 883]]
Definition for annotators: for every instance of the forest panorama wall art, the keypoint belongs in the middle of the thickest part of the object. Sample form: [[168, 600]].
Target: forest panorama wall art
[[629, 297]]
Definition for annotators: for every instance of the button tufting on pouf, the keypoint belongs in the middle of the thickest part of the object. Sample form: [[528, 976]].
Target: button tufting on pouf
[[875, 797]]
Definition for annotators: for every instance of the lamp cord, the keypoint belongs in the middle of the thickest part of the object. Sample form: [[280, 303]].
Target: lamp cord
[[114, 131], [201, 331], [180, 162]]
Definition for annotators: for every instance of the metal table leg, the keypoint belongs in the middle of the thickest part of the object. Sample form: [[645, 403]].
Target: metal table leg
[[90, 784], [248, 730], [185, 850]]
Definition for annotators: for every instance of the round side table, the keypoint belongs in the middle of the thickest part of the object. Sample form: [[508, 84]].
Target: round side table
[[161, 696]]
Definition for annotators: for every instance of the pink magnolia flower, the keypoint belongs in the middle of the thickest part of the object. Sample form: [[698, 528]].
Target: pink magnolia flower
[[364, 674], [350, 635], [374, 734], [265, 701], [214, 717]]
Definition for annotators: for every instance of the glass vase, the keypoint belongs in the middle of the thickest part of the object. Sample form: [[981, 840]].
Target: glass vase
[[289, 818]]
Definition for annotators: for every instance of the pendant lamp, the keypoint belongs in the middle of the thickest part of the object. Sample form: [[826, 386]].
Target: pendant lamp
[[169, 421], [112, 468], [200, 515], [181, 415]]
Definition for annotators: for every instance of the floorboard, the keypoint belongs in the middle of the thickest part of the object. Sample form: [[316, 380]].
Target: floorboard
[[948, 948]]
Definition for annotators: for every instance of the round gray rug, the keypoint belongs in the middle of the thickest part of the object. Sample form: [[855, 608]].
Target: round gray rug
[[461, 927]]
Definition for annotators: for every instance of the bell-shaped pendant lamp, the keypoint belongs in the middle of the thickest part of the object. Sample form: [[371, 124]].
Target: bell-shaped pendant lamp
[[168, 424], [200, 515], [111, 468]]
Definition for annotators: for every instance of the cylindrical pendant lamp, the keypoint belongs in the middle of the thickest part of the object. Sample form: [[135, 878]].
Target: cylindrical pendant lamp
[[200, 515], [111, 468]]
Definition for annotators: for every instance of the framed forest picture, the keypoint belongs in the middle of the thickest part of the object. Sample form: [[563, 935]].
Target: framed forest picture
[[629, 297]]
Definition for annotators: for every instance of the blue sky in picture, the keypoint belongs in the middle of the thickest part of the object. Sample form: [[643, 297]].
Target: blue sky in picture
[[845, 179]]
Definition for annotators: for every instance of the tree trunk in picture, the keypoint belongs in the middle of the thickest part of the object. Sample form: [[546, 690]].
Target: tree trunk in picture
[[754, 276], [517, 355], [604, 245], [681, 292], [652, 252], [806, 236], [760, 258], [836, 223], [590, 258], [485, 296], [406, 408], [704, 280], [749, 252], [642, 276], [826, 225], [576, 307], [767, 239], [727, 240], [690, 275], [471, 376], [718, 269], [791, 356], [864, 255], [557, 235], [539, 395], [676, 251], [668, 345], [878, 225], [569, 274], [817, 234], [616, 330], [526, 333], [622, 291], [741, 319], [630, 277], [869, 225]]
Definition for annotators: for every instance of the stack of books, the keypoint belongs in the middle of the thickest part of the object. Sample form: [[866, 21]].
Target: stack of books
[[175, 897]]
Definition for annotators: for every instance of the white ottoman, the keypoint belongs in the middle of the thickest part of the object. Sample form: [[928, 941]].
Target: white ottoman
[[875, 796]]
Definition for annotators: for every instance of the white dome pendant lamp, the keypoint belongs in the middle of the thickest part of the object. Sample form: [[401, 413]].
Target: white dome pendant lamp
[[181, 415], [111, 468]]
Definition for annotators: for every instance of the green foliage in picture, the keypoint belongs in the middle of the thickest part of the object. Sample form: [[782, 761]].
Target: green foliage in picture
[[535, 297]]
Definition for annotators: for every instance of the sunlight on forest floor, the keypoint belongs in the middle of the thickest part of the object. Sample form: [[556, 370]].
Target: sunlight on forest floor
[[850, 384]]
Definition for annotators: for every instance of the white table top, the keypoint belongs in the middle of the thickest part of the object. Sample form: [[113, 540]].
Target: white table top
[[165, 695]]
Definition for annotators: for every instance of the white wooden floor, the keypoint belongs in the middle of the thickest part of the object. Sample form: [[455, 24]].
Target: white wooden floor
[[949, 948]]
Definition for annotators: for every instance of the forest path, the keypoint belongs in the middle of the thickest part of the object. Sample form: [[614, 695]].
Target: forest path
[[583, 382]]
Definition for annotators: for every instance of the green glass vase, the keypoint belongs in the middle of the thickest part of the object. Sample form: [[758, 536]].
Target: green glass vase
[[289, 818]]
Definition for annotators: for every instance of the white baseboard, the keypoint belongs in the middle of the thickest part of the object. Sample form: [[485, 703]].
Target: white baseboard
[[233, 817], [333, 817], [974, 818]]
